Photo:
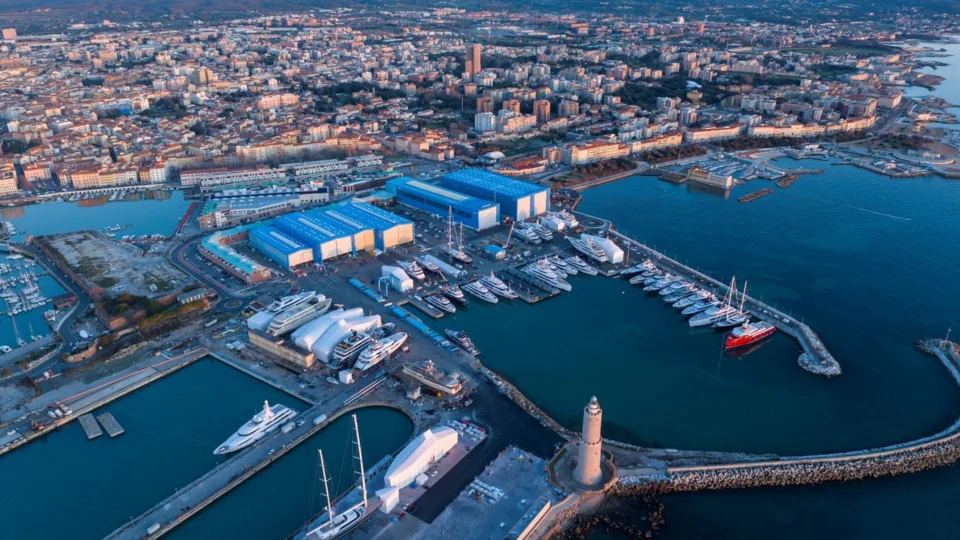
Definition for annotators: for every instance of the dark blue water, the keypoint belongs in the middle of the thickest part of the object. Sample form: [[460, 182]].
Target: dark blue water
[[64, 486]]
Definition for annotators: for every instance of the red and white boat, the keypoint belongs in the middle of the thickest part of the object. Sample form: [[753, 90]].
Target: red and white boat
[[748, 333]]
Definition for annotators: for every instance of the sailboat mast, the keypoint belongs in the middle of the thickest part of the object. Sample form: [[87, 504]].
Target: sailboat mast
[[363, 475], [743, 296], [449, 226], [326, 487]]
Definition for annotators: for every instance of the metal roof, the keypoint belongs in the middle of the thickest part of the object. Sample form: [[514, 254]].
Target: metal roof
[[444, 197], [365, 216], [213, 243], [489, 181], [284, 243]]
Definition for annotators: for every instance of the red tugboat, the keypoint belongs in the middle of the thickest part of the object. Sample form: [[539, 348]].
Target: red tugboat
[[748, 333]]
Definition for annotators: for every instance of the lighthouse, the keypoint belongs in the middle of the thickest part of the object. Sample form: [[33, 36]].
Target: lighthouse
[[588, 471]]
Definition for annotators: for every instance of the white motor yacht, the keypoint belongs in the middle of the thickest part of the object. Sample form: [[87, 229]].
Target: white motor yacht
[[265, 421], [497, 286]]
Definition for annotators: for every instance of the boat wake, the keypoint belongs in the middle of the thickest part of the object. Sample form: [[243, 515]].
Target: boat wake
[[858, 208]]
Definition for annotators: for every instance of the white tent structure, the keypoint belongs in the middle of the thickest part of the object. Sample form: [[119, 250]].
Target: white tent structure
[[613, 251], [419, 455], [335, 333], [260, 320], [397, 278], [308, 334]]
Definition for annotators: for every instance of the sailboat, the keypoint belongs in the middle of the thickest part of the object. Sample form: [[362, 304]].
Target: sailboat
[[455, 252], [338, 524], [735, 319]]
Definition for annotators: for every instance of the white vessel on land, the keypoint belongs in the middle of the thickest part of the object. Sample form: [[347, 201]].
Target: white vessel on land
[[497, 286], [265, 421], [568, 219], [379, 351], [287, 302], [412, 268], [338, 524], [589, 248], [581, 265], [441, 302], [292, 318], [477, 289], [526, 235], [544, 233], [457, 252], [429, 266], [548, 276]]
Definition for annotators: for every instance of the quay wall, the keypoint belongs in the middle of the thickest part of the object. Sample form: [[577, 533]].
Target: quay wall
[[93, 404], [938, 450], [133, 528], [260, 377]]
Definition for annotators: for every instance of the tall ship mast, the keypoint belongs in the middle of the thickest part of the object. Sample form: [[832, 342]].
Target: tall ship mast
[[334, 524], [455, 252]]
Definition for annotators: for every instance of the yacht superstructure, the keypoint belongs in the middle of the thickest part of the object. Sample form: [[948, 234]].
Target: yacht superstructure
[[292, 318], [544, 273], [265, 421], [477, 289], [441, 302], [287, 302], [379, 351], [497, 286], [413, 268], [581, 265], [589, 248]]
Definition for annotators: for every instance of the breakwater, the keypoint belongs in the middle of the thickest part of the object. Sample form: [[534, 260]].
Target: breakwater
[[938, 450]]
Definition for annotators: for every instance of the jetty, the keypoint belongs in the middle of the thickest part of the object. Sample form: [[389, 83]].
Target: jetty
[[110, 424], [815, 357], [424, 307], [755, 195], [90, 426]]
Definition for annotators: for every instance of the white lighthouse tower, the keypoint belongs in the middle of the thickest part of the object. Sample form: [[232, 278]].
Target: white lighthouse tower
[[588, 470]]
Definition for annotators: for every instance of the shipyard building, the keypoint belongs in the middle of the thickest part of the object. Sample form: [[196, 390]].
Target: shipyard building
[[323, 234], [217, 248], [518, 200], [279, 247], [472, 212]]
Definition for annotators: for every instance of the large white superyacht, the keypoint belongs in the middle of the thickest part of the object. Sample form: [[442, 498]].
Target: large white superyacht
[[265, 421], [287, 302], [497, 286]]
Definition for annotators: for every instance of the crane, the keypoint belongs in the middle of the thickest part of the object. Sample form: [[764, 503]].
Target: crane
[[509, 234]]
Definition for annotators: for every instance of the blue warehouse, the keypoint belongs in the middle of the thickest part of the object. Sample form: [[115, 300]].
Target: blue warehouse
[[389, 230], [281, 248], [327, 238], [518, 200], [474, 213]]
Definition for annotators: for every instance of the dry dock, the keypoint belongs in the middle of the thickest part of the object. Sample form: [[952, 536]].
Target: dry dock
[[110, 424], [424, 307], [90, 426]]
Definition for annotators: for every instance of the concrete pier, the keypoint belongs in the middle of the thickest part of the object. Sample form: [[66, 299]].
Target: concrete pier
[[110, 424], [90, 426], [815, 357], [426, 308]]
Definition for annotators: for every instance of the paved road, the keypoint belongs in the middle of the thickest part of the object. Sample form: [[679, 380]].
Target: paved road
[[181, 257]]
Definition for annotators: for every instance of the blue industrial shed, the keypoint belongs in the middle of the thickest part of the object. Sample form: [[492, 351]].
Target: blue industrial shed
[[282, 248], [473, 212], [518, 200], [389, 230]]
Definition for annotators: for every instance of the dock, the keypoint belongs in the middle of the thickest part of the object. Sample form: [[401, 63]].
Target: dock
[[110, 424], [90, 426], [424, 307]]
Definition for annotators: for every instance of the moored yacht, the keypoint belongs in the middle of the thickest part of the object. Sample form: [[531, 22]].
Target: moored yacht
[[459, 337], [477, 289], [454, 293], [564, 216], [497, 286], [553, 268], [691, 299], [441, 302], [562, 265], [548, 276], [712, 315], [662, 283], [379, 351], [637, 268], [265, 421], [544, 233], [679, 286], [701, 305], [349, 348], [581, 265], [748, 333]]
